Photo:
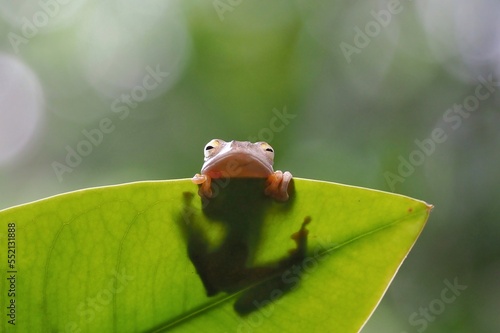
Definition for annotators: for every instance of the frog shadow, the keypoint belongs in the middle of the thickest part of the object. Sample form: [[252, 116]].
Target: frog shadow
[[227, 265]]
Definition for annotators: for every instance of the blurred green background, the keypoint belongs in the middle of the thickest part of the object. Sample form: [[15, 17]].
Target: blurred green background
[[400, 96]]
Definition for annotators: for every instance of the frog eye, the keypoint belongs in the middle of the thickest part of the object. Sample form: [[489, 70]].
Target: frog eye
[[211, 148], [266, 147], [268, 150]]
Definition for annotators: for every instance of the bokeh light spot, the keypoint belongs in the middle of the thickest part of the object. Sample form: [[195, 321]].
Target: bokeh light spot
[[120, 48], [20, 106], [35, 17]]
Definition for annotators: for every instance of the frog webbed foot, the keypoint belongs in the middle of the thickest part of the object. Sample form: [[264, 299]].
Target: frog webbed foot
[[277, 185]]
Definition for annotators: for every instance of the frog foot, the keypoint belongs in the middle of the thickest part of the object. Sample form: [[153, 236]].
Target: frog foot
[[277, 185], [205, 190]]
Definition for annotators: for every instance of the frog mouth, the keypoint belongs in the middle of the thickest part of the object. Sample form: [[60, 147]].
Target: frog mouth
[[237, 164]]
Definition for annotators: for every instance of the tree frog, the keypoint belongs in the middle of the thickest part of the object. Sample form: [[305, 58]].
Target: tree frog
[[242, 159]]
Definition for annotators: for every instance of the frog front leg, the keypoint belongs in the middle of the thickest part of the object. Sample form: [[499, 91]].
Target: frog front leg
[[277, 185], [205, 190]]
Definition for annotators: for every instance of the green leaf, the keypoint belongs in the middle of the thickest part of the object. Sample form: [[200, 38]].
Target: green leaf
[[114, 259]]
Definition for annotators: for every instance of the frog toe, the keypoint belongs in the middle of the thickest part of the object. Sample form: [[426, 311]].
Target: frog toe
[[277, 185], [205, 190], [199, 179]]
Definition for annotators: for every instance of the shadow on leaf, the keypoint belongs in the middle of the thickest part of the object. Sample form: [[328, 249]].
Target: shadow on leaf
[[223, 251]]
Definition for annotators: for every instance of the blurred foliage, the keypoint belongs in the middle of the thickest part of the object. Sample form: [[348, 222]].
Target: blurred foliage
[[355, 117]]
